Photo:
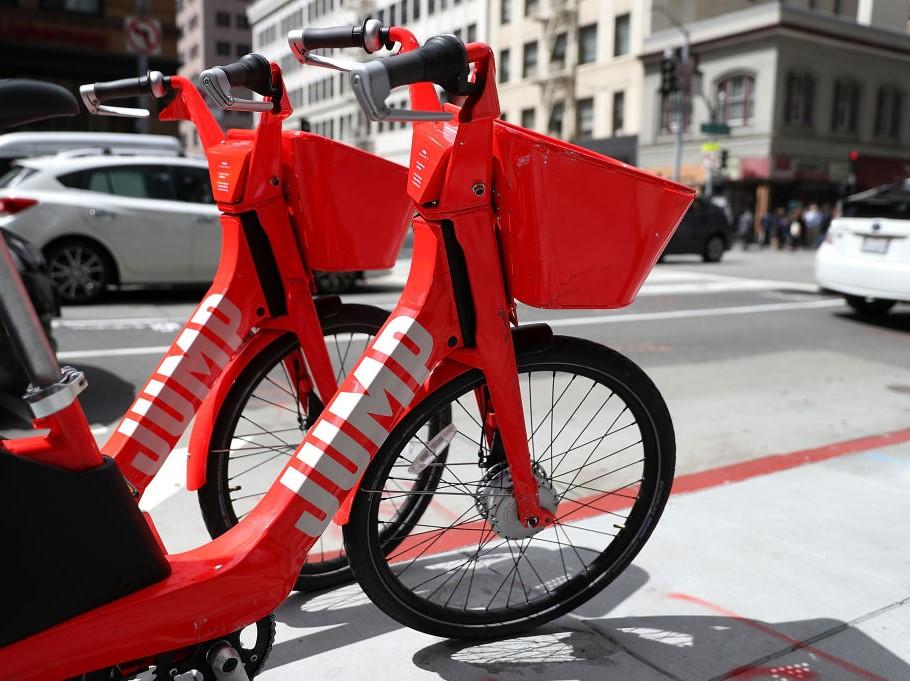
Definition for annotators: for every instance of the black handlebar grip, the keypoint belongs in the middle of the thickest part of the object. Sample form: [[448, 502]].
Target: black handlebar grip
[[253, 72], [120, 89], [371, 35], [443, 60]]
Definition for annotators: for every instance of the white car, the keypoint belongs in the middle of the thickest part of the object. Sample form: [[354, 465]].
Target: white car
[[104, 220], [866, 255]]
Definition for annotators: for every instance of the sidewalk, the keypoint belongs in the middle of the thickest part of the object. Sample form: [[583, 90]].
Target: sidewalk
[[794, 571]]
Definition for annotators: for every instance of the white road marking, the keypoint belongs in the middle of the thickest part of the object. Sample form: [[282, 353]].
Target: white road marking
[[113, 352], [557, 322], [682, 314], [169, 480]]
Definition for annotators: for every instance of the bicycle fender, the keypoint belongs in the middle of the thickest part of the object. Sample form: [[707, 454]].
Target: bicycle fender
[[200, 436]]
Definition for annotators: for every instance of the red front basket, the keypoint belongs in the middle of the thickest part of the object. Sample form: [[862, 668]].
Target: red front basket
[[578, 229], [359, 209]]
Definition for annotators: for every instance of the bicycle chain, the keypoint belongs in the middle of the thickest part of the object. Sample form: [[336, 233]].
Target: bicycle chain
[[174, 663]]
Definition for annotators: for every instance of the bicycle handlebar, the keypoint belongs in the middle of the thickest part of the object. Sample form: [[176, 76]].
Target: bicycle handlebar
[[371, 35], [252, 71], [443, 60], [95, 94]]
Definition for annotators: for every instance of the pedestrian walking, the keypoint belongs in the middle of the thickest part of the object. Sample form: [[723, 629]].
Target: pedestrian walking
[[797, 229], [767, 228], [812, 219], [781, 227], [824, 224], [745, 228]]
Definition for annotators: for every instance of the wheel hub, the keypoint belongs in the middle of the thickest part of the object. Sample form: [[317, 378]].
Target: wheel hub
[[495, 502]]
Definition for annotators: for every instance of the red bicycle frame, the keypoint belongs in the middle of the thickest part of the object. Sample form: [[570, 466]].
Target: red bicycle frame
[[432, 336]]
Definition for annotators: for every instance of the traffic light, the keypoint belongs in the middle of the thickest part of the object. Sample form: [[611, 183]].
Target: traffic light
[[724, 157], [669, 82]]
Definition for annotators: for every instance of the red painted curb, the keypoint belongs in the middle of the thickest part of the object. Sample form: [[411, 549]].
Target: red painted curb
[[774, 463]]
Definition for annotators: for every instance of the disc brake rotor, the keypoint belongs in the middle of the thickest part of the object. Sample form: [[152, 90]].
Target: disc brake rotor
[[495, 501]]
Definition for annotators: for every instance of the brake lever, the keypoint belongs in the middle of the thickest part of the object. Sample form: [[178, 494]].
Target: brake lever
[[157, 87], [216, 83], [370, 83]]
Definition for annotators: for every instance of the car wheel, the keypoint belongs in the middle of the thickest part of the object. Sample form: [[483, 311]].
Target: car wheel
[[714, 249], [870, 307], [335, 282], [80, 270]]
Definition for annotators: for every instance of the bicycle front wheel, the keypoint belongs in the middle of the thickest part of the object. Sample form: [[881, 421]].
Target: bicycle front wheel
[[261, 424], [603, 452]]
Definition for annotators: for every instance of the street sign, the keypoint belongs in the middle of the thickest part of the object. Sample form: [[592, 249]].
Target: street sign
[[715, 128], [142, 35], [710, 155]]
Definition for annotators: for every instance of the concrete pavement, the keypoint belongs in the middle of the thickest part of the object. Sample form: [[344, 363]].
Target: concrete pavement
[[793, 572]]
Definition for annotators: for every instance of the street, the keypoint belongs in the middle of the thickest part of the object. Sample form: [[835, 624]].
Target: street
[[793, 572]]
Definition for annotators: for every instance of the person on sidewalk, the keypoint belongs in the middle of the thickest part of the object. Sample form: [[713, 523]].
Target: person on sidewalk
[[745, 228]]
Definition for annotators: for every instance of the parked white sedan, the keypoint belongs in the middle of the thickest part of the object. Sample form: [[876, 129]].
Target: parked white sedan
[[103, 220], [866, 256]]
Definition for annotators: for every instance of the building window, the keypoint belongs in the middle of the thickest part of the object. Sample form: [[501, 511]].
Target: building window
[[845, 111], [194, 22], [619, 112], [415, 9], [528, 117], [241, 22], [888, 112], [504, 56], [431, 7], [472, 33], [505, 11], [554, 125], [621, 35], [243, 49], [584, 117], [735, 95], [73, 6], [458, 33], [800, 96], [558, 55], [587, 44], [404, 18], [222, 48], [531, 7], [194, 51], [529, 60], [222, 19]]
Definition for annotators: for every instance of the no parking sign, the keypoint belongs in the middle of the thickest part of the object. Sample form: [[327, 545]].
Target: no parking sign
[[142, 35]]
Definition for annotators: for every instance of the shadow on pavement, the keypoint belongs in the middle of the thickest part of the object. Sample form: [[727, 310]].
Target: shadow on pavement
[[689, 648], [107, 397], [345, 616], [896, 320]]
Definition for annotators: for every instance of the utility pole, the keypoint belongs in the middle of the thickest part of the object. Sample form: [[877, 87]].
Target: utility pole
[[683, 94], [560, 18], [142, 61]]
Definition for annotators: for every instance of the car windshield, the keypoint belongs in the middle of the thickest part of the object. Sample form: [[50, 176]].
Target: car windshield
[[15, 175]]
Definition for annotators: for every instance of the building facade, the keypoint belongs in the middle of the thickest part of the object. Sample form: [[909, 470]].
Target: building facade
[[71, 43], [211, 32], [803, 86], [570, 68], [322, 99]]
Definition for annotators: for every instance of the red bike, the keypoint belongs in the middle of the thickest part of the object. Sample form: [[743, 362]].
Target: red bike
[[530, 513], [280, 353]]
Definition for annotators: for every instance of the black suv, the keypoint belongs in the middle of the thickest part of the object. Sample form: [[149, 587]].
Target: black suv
[[704, 230]]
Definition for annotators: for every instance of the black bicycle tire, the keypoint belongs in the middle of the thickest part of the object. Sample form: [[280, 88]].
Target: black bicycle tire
[[394, 599]]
